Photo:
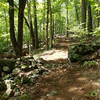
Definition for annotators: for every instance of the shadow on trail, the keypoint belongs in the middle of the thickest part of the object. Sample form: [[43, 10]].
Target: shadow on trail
[[65, 83]]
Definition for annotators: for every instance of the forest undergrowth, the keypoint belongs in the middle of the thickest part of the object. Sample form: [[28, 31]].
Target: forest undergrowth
[[52, 76]]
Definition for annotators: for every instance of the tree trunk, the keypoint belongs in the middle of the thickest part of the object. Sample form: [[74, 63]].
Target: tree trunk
[[90, 25], [51, 25], [44, 20], [83, 11], [22, 4], [98, 19], [11, 22], [98, 13], [35, 26], [47, 26], [76, 12], [32, 35], [67, 18]]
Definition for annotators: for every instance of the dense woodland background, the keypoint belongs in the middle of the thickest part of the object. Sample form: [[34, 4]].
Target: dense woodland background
[[31, 22], [49, 47]]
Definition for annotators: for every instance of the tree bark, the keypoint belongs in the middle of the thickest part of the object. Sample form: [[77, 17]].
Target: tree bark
[[32, 35], [76, 12], [98, 13], [44, 19], [53, 21], [12, 30], [67, 18], [90, 25], [98, 19], [83, 11], [35, 26], [51, 25], [22, 4], [47, 26], [17, 43]]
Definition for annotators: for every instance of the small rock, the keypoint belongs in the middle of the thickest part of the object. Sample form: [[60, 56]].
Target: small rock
[[6, 69], [52, 93], [16, 71], [16, 94]]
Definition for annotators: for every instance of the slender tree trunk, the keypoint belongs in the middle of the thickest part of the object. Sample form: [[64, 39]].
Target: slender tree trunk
[[98, 18], [36, 26], [32, 35], [47, 26], [26, 22], [67, 22], [11, 22], [83, 11], [67, 18], [76, 12], [40, 28], [98, 13], [90, 25], [17, 43], [51, 25], [22, 4], [44, 20]]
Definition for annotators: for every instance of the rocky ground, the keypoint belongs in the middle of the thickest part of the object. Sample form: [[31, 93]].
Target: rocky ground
[[52, 76]]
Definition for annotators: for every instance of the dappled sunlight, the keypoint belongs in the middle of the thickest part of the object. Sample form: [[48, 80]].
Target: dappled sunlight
[[96, 84], [72, 89], [48, 51], [55, 55], [82, 79], [76, 90]]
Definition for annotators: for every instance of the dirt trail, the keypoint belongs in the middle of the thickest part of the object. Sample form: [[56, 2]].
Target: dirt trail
[[60, 52], [61, 85], [64, 83]]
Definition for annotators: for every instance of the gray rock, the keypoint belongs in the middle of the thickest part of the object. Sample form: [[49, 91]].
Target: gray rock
[[16, 71], [52, 93]]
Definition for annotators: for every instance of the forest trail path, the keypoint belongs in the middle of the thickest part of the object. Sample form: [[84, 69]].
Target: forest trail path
[[61, 42], [63, 83], [59, 54], [68, 84]]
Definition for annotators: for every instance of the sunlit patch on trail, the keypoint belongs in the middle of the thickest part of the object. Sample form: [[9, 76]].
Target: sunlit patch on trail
[[82, 79], [55, 55]]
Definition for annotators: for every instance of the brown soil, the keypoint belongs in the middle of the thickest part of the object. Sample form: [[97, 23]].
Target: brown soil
[[63, 83]]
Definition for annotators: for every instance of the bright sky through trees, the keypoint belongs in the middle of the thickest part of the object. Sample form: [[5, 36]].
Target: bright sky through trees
[[40, 0]]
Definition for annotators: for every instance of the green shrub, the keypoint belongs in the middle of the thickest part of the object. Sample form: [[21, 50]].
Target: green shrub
[[4, 43], [92, 94], [79, 51], [25, 96], [89, 64]]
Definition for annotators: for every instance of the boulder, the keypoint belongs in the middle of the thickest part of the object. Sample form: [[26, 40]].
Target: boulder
[[83, 51], [7, 65]]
